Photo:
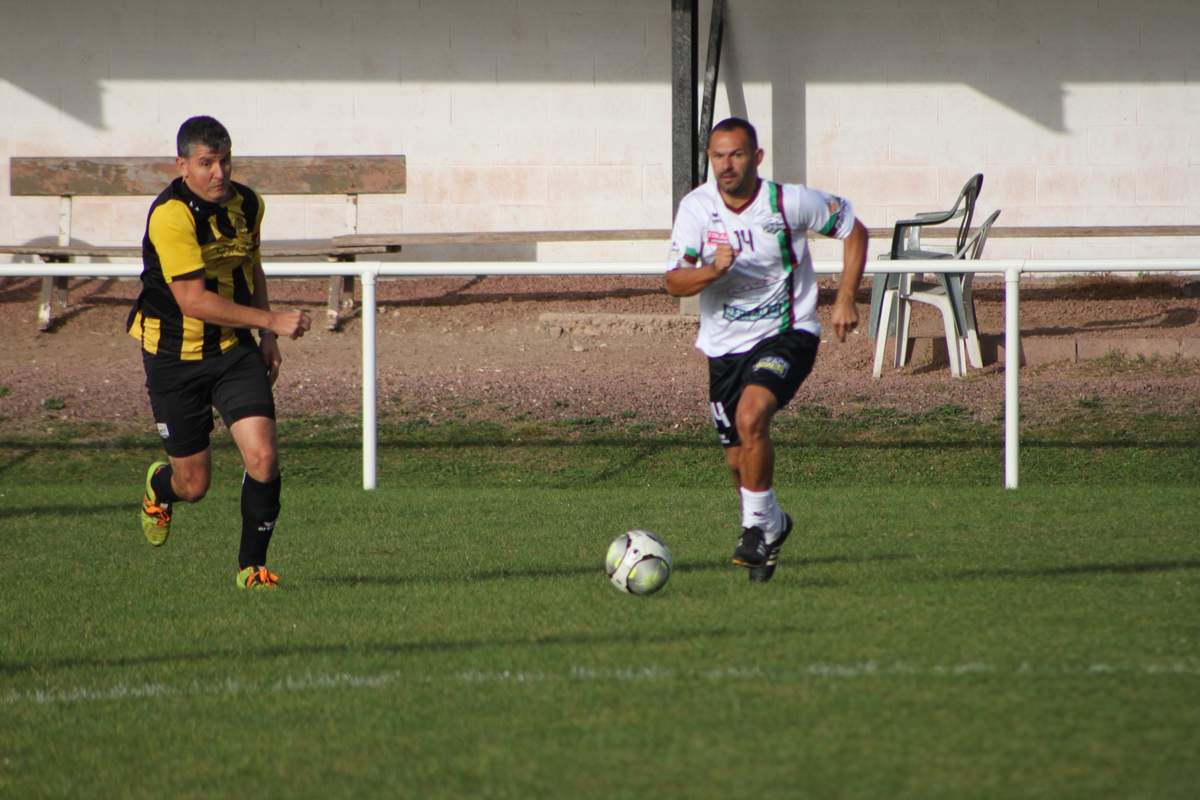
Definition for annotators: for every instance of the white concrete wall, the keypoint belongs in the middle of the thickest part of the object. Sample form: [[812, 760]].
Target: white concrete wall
[[556, 113]]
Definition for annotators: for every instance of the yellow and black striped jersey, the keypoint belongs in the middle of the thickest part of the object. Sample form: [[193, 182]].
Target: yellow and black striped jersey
[[188, 237]]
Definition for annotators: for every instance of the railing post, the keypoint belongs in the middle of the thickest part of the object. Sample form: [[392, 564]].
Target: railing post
[[1012, 370], [369, 433]]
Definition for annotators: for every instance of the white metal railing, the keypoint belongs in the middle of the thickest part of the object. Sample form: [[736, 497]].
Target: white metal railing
[[370, 272]]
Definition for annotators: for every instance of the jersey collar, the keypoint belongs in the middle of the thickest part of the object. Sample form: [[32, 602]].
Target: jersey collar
[[196, 201], [745, 205]]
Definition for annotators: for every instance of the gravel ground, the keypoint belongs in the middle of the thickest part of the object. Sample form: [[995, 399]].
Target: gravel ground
[[494, 348]]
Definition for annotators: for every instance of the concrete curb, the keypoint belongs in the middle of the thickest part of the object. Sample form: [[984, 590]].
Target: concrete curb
[[561, 324], [924, 350]]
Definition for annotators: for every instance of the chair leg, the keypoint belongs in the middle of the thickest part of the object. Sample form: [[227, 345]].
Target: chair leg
[[885, 315], [903, 319], [973, 355], [878, 289], [971, 330], [953, 343]]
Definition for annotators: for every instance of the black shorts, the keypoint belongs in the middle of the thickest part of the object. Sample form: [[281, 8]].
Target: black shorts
[[780, 364], [184, 393]]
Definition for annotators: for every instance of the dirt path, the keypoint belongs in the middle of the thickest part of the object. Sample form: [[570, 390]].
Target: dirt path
[[481, 348]]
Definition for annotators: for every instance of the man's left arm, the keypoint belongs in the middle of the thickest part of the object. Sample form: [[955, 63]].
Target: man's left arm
[[268, 342], [833, 216], [854, 262]]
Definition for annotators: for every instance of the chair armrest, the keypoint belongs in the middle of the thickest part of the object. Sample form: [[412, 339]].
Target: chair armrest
[[929, 218]]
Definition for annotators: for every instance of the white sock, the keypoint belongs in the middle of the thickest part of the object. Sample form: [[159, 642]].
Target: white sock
[[760, 509]]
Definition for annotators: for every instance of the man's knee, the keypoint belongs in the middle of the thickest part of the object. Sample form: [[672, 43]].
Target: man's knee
[[255, 437], [262, 462], [190, 482]]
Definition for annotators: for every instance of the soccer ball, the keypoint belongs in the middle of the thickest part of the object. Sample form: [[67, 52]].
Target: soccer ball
[[638, 562]]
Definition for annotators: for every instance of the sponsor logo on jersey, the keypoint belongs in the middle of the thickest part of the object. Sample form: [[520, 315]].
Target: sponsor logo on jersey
[[716, 237], [774, 224], [752, 285], [772, 364], [831, 227], [768, 311]]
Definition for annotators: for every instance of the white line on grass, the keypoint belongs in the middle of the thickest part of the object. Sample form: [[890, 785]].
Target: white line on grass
[[313, 682]]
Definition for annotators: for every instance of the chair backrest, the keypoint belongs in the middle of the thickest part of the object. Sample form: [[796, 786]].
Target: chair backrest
[[966, 198], [973, 249], [907, 233], [980, 238]]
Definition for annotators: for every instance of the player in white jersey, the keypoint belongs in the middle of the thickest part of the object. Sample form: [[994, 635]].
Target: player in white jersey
[[740, 243]]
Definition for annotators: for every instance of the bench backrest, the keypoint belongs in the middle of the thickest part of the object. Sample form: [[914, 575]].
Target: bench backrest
[[111, 177]]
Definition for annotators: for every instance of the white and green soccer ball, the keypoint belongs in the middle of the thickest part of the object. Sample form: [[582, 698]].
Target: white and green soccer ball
[[638, 562]]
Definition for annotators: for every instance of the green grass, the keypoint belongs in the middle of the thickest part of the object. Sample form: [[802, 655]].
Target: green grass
[[451, 634]]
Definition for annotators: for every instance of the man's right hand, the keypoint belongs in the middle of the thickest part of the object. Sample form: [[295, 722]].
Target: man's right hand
[[724, 258], [292, 324]]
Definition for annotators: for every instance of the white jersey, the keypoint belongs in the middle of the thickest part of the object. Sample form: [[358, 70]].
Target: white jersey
[[771, 287]]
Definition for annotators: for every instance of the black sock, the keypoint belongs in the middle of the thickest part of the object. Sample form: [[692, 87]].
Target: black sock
[[260, 509], [160, 482]]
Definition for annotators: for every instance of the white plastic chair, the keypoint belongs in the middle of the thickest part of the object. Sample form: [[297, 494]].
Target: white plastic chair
[[951, 294]]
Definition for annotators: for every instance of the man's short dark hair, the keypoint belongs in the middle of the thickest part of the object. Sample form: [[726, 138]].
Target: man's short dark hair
[[202, 130], [737, 124]]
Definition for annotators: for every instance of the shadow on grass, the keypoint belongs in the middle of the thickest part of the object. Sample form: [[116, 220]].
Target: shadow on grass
[[59, 511], [400, 648], [542, 573], [1137, 568], [636, 442]]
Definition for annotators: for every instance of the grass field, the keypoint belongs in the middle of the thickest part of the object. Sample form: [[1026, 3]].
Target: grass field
[[451, 634]]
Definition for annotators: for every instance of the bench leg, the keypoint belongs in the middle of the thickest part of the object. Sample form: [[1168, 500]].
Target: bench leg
[[46, 304], [53, 301], [334, 303], [340, 299], [60, 293]]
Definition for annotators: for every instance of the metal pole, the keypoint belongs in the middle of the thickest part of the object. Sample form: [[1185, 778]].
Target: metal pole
[[1012, 369], [683, 98], [712, 66], [368, 378]]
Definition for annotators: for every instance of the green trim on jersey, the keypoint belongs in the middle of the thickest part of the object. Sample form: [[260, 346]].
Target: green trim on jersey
[[787, 319]]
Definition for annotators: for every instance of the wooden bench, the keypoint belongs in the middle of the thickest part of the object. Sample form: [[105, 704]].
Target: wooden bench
[[397, 241], [68, 178]]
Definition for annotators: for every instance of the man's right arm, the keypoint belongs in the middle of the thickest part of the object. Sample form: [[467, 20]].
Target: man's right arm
[[685, 281], [172, 232], [199, 303], [687, 274]]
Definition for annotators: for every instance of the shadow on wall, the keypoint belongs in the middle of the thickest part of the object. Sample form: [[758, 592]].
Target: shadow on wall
[[1019, 54]]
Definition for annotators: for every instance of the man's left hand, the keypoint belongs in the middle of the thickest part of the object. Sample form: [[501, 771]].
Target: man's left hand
[[845, 319], [269, 347]]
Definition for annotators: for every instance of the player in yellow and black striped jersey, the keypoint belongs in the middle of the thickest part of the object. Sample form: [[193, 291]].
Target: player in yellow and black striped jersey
[[184, 235], [203, 290]]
